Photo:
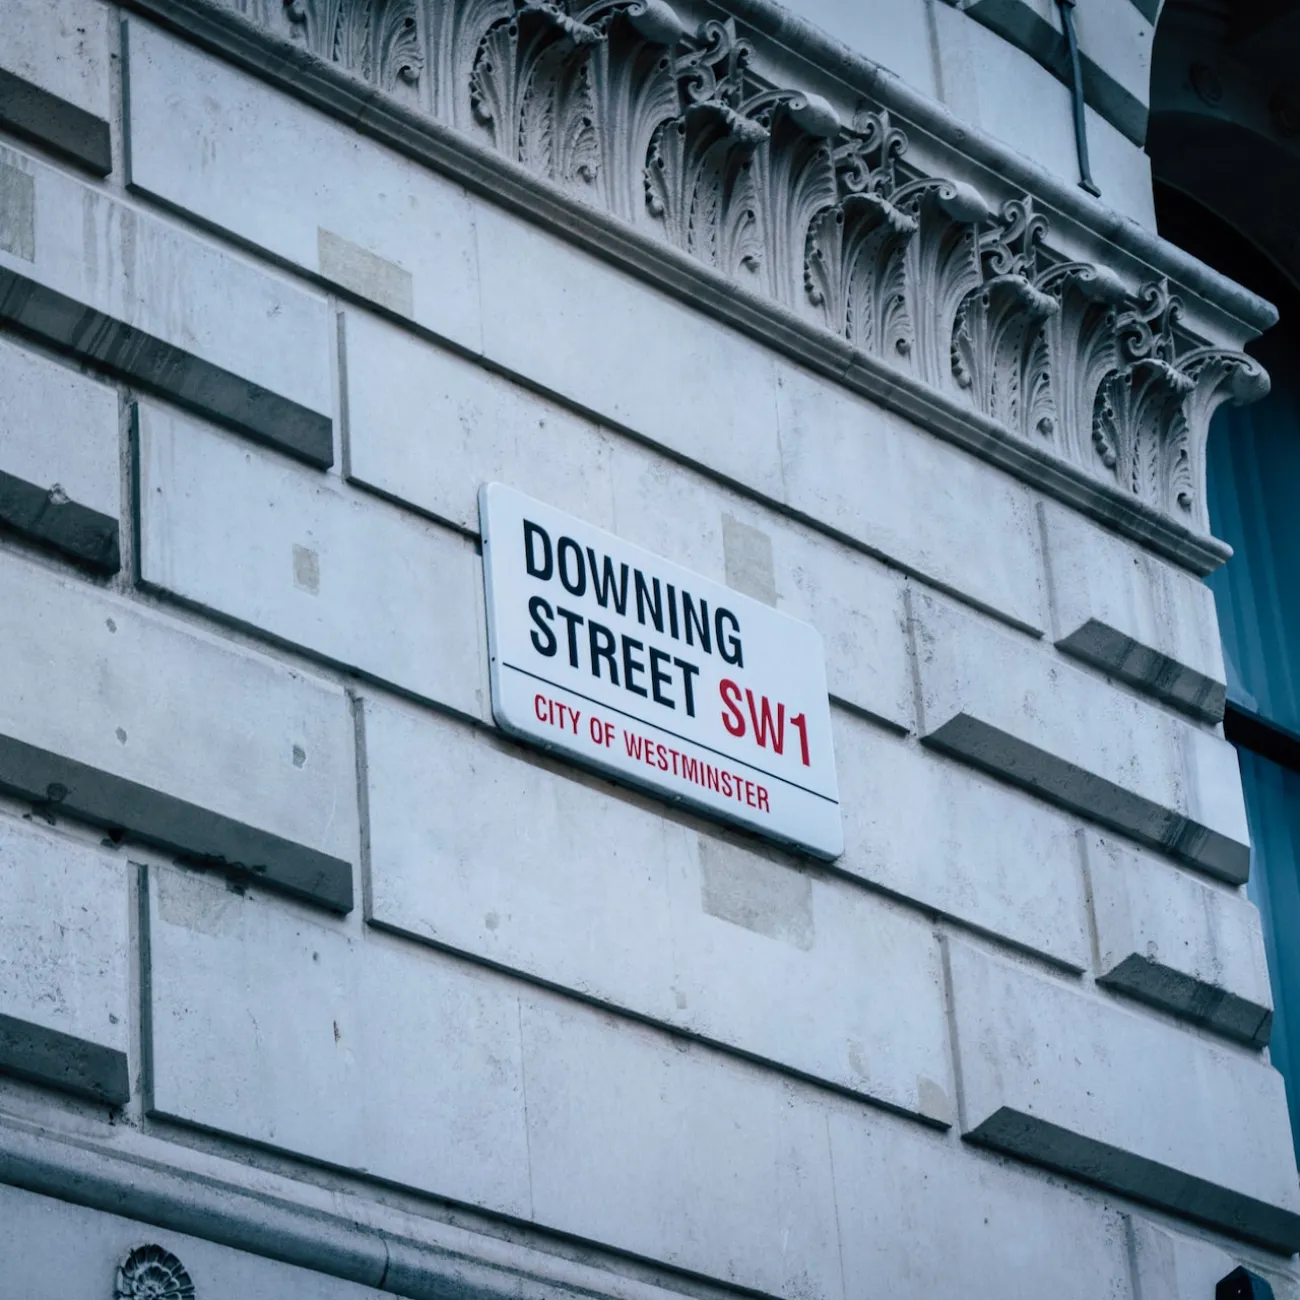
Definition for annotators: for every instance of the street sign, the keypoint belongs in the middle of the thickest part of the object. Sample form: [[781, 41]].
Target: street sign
[[656, 676]]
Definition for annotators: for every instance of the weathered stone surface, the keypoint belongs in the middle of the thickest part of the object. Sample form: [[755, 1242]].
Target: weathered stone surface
[[51, 1250], [1133, 615], [931, 830], [60, 476], [292, 1032], [918, 1218], [404, 238], [165, 308], [340, 574], [663, 1149], [1120, 1099], [864, 472], [1005, 704], [118, 715], [807, 1196], [428, 428], [988, 82], [1170, 940], [1171, 1266], [854, 601], [702, 933], [676, 378], [55, 77], [65, 949]]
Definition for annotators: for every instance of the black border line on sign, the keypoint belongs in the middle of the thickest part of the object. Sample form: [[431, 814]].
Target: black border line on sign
[[686, 740]]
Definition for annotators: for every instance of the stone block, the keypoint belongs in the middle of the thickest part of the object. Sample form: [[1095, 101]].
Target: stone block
[[202, 132], [428, 428], [129, 720], [1122, 1100], [1132, 615], [1170, 940], [1005, 704], [341, 575], [662, 1149], [627, 353], [65, 950], [959, 843], [699, 932], [52, 1249], [287, 1030], [867, 474], [1117, 37], [988, 82], [1114, 47], [918, 1217], [60, 478], [853, 600], [55, 73], [143, 298]]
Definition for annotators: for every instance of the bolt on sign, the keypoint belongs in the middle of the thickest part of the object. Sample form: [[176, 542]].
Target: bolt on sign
[[656, 676]]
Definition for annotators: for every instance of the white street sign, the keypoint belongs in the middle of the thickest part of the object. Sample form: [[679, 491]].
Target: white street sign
[[656, 676]]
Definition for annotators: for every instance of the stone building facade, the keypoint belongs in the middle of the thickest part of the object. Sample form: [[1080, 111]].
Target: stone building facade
[[313, 982]]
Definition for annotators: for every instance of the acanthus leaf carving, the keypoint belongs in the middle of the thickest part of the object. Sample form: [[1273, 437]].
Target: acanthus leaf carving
[[673, 130], [698, 177], [376, 39], [1151, 414], [999, 350], [943, 266], [636, 90], [794, 181], [531, 87], [1081, 347], [854, 255]]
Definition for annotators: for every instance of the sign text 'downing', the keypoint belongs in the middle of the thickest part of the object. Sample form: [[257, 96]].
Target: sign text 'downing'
[[656, 675]]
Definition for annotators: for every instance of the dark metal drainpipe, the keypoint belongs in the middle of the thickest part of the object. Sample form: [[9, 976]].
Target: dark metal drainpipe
[[1076, 84]]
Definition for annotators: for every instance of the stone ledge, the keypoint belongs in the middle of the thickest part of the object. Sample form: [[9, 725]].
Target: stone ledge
[[78, 531], [1057, 1147], [146, 299], [1171, 941], [43, 1055], [201, 837], [253, 773], [1118, 1099], [34, 114], [1032, 718], [166, 369], [1133, 616]]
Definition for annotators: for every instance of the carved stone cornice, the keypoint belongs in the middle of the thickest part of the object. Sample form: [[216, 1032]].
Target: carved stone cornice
[[658, 144]]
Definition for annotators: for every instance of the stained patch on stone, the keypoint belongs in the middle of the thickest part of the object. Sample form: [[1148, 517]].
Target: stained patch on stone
[[365, 273], [306, 569], [764, 896], [17, 212], [748, 554]]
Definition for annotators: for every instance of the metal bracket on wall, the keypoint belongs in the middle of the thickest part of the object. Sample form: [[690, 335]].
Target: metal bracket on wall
[[1076, 89]]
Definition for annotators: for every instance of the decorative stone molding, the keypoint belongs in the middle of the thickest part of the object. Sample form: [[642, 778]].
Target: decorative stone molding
[[152, 1273], [671, 131]]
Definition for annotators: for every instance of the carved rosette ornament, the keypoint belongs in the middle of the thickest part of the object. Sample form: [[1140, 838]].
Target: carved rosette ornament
[[669, 128], [152, 1273]]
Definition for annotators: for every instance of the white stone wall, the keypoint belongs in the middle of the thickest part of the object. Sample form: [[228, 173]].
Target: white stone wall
[[305, 966], [986, 61]]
